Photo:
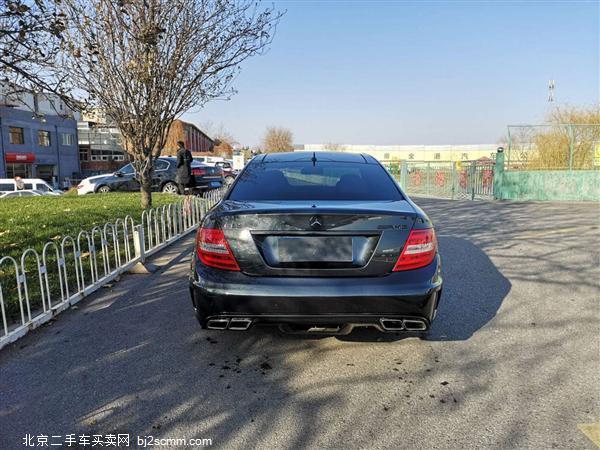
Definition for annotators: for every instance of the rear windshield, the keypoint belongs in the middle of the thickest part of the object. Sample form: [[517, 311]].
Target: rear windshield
[[321, 181]]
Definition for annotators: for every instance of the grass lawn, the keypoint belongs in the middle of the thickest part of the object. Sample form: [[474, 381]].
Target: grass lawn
[[32, 221]]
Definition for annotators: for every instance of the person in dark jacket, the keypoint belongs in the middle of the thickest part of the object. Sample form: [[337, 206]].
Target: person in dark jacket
[[183, 176]]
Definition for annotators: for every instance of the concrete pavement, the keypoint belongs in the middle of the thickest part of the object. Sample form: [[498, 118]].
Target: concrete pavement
[[513, 359]]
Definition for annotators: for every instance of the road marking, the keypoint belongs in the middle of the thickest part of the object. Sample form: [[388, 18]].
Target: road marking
[[592, 431]]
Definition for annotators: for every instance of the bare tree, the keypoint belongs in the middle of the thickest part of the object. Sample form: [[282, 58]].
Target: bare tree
[[30, 40], [569, 138], [146, 62], [334, 147], [277, 139], [224, 140]]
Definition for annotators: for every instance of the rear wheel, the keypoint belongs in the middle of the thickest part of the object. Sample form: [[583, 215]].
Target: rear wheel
[[103, 189], [170, 188]]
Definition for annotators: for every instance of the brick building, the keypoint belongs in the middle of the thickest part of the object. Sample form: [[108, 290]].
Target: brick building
[[195, 139]]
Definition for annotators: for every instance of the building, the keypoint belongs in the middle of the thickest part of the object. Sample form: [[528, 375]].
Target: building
[[38, 137], [100, 144], [194, 138], [426, 153]]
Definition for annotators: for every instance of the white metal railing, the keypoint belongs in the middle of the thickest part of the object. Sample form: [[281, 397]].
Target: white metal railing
[[37, 287]]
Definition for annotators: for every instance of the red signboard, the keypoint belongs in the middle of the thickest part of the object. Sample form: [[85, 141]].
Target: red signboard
[[20, 158]]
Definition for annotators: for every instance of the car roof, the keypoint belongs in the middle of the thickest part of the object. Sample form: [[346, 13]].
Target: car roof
[[25, 180], [319, 156]]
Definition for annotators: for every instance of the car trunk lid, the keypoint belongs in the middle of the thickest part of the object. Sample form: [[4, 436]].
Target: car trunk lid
[[327, 238]]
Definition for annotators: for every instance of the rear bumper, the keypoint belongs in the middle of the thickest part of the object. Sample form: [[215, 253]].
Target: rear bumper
[[363, 301], [205, 184]]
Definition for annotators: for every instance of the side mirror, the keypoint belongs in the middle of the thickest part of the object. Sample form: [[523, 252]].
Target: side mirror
[[118, 174]]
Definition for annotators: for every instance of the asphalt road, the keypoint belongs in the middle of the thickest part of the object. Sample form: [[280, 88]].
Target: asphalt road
[[513, 359]]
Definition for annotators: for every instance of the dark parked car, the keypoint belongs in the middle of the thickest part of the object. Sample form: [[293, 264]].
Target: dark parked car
[[316, 242], [163, 177], [229, 173]]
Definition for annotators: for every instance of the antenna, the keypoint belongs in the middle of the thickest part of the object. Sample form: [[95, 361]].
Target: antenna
[[551, 91]]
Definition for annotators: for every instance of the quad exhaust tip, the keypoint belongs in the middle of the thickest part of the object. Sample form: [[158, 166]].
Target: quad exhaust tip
[[403, 324], [240, 324], [392, 324], [414, 325], [235, 323]]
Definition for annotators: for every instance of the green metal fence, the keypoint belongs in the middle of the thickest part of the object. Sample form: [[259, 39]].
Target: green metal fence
[[553, 147], [445, 179]]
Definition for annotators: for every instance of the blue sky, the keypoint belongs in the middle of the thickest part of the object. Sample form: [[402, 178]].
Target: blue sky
[[413, 72]]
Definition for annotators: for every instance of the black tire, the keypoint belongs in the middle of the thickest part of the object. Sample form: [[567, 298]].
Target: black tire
[[170, 188], [104, 189]]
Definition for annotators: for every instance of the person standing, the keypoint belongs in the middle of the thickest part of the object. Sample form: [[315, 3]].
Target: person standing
[[183, 177], [19, 183]]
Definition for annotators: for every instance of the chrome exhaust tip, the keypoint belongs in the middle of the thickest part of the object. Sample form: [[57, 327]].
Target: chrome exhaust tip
[[391, 324], [240, 323], [217, 324], [415, 325]]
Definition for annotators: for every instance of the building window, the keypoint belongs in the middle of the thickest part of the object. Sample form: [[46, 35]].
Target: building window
[[106, 155], [18, 170], [16, 135], [67, 139], [84, 153], [437, 156], [411, 156], [464, 156], [44, 138]]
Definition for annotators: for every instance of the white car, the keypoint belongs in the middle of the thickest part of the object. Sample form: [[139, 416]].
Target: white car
[[210, 160], [8, 185], [23, 193], [88, 185]]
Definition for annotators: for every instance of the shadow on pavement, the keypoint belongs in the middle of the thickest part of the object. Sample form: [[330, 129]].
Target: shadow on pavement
[[133, 359]]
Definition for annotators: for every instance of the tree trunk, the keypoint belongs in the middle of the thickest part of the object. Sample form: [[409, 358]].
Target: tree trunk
[[146, 189]]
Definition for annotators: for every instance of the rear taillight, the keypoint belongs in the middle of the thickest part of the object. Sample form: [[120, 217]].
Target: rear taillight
[[198, 172], [419, 250], [214, 251]]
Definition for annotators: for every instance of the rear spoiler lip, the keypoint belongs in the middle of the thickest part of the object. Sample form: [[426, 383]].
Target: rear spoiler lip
[[407, 210]]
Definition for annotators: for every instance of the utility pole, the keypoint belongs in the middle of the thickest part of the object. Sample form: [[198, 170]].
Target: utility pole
[[551, 91]]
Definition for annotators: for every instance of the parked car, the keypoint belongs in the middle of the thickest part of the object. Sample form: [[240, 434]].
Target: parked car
[[316, 242], [209, 159], [163, 180], [88, 185], [22, 193], [229, 173], [37, 184]]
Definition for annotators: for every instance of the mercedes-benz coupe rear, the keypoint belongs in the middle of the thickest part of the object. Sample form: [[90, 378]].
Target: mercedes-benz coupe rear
[[316, 242]]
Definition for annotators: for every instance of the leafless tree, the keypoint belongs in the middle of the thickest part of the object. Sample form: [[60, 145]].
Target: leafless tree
[[30, 40], [334, 147], [277, 139], [224, 140], [146, 62]]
